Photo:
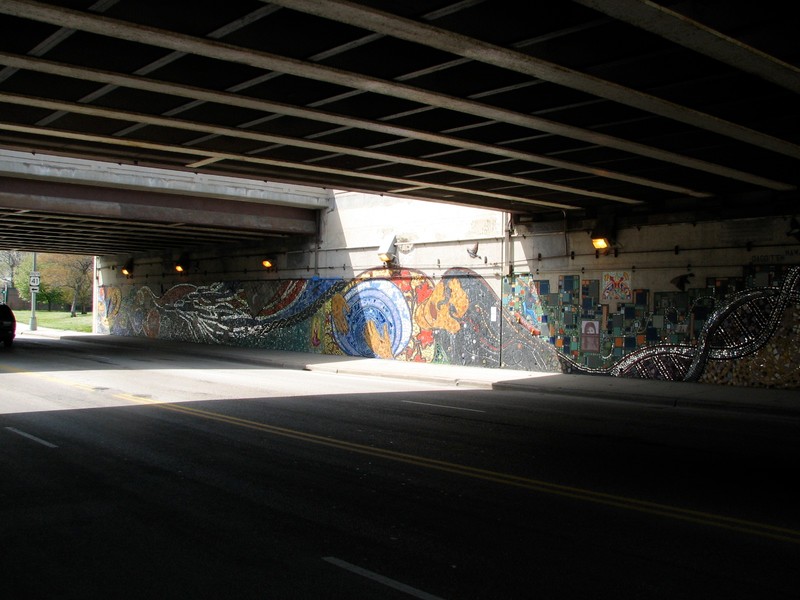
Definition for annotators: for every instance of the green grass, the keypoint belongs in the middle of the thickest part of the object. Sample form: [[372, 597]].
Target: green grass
[[56, 320]]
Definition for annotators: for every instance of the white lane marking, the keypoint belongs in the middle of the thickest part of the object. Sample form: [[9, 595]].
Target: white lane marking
[[32, 437], [380, 579], [443, 406]]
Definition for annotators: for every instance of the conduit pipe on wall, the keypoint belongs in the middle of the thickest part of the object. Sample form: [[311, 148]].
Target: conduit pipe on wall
[[637, 268], [749, 247], [507, 258], [318, 239]]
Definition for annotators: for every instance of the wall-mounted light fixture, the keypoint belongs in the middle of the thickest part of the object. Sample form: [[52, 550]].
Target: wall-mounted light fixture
[[603, 235], [127, 268], [681, 281], [266, 263], [182, 264], [794, 229], [387, 250]]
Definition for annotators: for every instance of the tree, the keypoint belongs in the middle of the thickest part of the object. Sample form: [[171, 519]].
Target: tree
[[64, 278], [49, 292], [79, 281], [9, 262], [72, 275]]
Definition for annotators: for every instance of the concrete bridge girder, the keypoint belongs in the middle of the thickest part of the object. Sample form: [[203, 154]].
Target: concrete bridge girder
[[48, 198]]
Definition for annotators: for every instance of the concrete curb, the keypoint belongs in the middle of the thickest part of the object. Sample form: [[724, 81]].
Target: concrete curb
[[668, 394]]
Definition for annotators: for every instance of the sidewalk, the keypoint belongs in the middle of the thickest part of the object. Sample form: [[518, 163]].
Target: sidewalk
[[659, 393]]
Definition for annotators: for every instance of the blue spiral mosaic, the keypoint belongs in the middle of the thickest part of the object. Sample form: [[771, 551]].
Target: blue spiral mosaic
[[378, 301]]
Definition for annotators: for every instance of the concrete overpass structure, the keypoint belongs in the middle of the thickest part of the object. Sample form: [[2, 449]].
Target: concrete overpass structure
[[80, 206], [228, 128]]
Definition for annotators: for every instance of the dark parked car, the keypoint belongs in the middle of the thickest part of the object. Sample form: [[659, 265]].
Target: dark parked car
[[8, 325]]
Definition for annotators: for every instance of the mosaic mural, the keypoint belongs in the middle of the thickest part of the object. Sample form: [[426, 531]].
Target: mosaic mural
[[749, 337], [398, 314]]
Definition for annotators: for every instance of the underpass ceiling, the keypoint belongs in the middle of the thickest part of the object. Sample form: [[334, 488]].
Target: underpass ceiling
[[668, 112]]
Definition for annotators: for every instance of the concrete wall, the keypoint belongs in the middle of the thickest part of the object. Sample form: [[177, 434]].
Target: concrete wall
[[469, 286]]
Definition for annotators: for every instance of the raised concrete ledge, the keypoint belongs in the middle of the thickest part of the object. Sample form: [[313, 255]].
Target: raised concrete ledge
[[781, 403], [43, 167]]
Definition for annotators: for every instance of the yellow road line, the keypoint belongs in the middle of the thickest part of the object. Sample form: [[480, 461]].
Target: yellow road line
[[673, 512], [46, 377], [653, 508]]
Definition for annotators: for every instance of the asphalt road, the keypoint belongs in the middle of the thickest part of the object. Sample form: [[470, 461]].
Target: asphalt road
[[150, 474]]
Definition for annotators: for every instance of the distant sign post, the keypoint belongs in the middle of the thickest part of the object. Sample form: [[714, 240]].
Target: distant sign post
[[34, 287]]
